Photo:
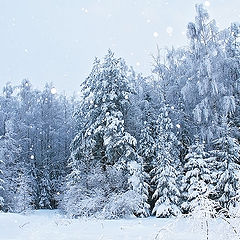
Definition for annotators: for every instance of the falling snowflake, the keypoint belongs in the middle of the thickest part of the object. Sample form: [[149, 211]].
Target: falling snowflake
[[138, 64], [85, 10], [178, 125], [13, 22], [155, 34], [169, 30], [53, 90], [172, 107], [207, 3], [32, 157], [148, 20]]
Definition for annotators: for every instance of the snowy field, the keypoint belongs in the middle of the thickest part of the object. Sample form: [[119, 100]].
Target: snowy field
[[50, 225]]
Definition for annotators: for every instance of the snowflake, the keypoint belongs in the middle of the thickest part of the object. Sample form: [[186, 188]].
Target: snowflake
[[155, 34], [207, 3], [13, 22], [178, 125], [32, 157], [85, 10], [138, 64], [53, 90], [169, 30]]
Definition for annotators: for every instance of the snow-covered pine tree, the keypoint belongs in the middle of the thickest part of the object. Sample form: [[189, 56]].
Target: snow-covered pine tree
[[227, 153], [197, 175], [146, 145], [165, 168], [139, 182], [102, 142], [24, 199], [113, 96], [45, 189]]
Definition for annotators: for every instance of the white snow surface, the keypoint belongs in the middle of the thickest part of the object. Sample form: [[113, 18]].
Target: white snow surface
[[51, 225]]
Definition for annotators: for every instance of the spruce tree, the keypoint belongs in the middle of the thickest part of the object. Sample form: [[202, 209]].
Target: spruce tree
[[165, 173], [197, 175], [102, 142], [24, 199], [139, 182], [227, 153]]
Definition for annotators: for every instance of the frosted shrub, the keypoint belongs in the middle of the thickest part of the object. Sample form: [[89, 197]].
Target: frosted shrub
[[122, 205]]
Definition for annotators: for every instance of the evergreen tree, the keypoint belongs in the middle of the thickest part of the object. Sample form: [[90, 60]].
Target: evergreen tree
[[227, 168], [103, 142], [24, 199], [138, 181], [197, 175], [165, 167]]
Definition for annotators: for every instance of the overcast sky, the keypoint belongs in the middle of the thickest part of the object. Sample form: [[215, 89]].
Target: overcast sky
[[57, 40]]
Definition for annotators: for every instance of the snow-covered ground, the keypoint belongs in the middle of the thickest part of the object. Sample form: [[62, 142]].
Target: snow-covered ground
[[51, 225]]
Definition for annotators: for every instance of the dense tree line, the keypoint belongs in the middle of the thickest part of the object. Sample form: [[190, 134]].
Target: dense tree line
[[138, 145], [36, 128]]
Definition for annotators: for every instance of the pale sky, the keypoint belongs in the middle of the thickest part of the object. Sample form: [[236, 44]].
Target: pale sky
[[57, 40]]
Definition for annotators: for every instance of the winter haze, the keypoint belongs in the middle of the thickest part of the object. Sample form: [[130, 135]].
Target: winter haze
[[57, 40]]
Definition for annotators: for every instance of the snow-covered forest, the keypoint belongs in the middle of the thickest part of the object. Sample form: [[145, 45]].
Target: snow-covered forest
[[132, 145]]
